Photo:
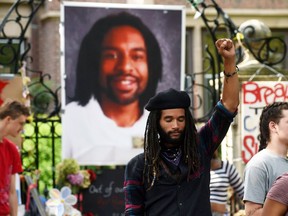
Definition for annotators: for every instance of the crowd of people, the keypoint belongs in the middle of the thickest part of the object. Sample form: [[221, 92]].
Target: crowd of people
[[179, 172]]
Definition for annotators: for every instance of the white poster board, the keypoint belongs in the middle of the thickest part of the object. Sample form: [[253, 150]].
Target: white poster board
[[91, 132], [255, 96]]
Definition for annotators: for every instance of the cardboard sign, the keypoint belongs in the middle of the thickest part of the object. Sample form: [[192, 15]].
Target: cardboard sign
[[255, 96]]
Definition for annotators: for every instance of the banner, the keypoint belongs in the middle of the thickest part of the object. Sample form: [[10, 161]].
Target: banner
[[255, 96], [115, 58]]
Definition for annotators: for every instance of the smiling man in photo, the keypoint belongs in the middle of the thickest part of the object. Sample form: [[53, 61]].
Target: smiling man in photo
[[118, 69]]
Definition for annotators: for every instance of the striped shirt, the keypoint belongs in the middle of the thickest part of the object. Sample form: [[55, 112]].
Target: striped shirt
[[221, 180]]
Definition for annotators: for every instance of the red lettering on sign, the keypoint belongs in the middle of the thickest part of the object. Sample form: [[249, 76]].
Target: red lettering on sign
[[250, 148], [252, 93]]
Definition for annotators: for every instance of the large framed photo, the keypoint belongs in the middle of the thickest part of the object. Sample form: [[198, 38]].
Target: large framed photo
[[115, 57]]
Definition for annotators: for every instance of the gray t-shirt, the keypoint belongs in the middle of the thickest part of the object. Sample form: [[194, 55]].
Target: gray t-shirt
[[260, 173]]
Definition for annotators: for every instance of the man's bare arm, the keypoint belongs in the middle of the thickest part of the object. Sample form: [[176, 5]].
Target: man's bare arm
[[13, 201], [272, 207], [231, 88], [253, 209]]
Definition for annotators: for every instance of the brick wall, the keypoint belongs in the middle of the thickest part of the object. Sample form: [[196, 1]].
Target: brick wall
[[252, 4], [49, 49]]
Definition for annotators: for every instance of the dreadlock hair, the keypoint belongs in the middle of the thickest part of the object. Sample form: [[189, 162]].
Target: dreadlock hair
[[272, 112], [152, 147]]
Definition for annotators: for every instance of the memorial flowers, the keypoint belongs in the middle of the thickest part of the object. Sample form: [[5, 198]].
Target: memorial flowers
[[61, 202], [68, 173]]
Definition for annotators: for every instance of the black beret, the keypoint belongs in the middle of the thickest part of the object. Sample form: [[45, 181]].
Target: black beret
[[169, 99]]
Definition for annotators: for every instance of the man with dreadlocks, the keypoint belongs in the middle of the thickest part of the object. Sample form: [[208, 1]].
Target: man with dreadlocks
[[271, 160], [172, 176]]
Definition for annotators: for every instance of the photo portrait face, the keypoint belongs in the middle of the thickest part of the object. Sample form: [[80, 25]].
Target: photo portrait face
[[85, 30], [115, 58], [123, 66]]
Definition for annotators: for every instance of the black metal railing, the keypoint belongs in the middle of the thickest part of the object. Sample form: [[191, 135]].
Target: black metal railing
[[14, 49], [42, 136], [218, 24]]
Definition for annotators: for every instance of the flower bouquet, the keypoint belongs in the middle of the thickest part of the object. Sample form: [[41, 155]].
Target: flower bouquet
[[68, 173]]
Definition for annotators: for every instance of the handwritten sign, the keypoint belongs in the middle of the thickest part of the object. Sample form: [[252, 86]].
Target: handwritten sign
[[105, 196], [255, 96]]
